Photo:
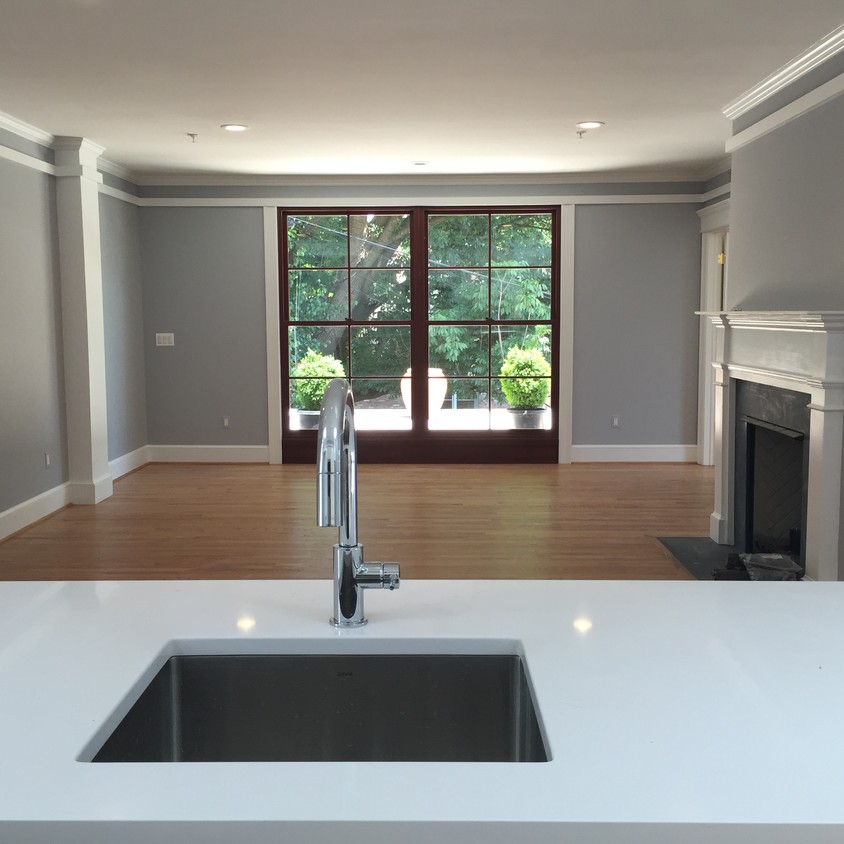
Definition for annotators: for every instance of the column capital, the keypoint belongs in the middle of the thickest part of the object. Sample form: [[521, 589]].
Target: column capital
[[77, 157]]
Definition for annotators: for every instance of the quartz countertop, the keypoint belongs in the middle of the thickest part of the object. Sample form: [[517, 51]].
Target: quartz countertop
[[687, 711]]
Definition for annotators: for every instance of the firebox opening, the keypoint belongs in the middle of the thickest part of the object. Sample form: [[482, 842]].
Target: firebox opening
[[772, 443]]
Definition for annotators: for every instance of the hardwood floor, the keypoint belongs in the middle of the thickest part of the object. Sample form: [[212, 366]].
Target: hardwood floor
[[255, 521]]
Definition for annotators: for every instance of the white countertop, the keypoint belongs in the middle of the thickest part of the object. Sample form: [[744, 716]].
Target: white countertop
[[694, 712]]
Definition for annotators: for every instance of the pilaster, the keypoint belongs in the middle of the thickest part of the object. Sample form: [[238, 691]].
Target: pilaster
[[77, 201]]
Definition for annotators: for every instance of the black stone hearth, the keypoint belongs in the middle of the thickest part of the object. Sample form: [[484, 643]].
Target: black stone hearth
[[700, 555]]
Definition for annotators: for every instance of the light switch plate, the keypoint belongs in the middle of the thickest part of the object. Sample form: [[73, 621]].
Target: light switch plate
[[165, 340]]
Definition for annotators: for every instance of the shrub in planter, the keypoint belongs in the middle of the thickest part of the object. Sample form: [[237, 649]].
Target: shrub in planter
[[307, 394], [525, 378]]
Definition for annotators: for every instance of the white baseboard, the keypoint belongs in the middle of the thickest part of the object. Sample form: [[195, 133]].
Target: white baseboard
[[24, 514], [208, 453], [91, 492], [718, 529], [121, 466], [633, 453]]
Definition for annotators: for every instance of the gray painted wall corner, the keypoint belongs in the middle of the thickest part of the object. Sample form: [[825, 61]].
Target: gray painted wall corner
[[203, 279], [32, 410], [124, 326], [637, 285]]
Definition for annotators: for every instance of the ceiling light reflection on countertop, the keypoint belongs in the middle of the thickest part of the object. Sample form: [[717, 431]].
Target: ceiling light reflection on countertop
[[245, 623], [582, 625]]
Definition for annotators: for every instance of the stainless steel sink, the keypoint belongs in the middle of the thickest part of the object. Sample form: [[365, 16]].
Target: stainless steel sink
[[332, 708]]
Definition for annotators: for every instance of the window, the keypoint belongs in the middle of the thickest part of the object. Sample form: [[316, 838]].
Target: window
[[464, 297]]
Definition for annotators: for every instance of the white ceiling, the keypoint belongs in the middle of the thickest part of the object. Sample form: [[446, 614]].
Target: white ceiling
[[370, 86]]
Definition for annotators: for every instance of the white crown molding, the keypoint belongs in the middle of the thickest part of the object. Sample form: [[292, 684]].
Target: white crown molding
[[817, 54], [822, 94], [630, 176], [723, 165], [398, 202], [69, 143], [634, 453], [25, 130], [779, 320], [118, 170]]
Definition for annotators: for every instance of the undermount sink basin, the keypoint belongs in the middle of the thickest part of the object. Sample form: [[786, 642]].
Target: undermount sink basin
[[332, 708]]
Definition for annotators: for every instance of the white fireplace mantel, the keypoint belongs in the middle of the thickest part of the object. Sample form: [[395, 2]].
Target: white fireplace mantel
[[792, 350]]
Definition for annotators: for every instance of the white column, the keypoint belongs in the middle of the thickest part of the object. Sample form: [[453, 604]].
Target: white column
[[77, 201], [722, 520], [826, 454]]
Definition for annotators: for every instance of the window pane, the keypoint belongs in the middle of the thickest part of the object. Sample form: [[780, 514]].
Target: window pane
[[379, 405], [380, 294], [457, 295], [317, 241], [459, 349], [318, 295], [380, 240], [521, 240], [521, 294], [505, 337], [380, 350], [329, 341], [466, 406], [458, 240]]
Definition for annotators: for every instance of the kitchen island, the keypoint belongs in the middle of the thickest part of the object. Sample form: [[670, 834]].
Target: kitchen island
[[672, 711]]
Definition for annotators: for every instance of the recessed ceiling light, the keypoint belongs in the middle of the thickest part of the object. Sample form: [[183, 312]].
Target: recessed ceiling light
[[421, 163], [590, 124], [234, 127]]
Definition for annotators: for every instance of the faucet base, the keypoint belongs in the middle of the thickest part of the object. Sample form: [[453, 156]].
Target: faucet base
[[345, 625]]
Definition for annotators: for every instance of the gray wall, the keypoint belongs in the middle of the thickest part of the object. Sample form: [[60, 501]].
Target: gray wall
[[637, 285], [787, 216], [124, 326], [31, 377], [203, 271]]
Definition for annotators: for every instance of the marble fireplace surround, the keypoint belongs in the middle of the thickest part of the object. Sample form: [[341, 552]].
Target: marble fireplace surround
[[792, 350]]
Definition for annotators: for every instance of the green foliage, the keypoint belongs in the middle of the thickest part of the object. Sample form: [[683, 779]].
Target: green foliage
[[314, 372], [480, 267], [530, 373]]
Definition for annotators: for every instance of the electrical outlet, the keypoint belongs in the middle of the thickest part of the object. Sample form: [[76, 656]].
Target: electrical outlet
[[47, 460], [166, 339], [615, 422], [226, 420]]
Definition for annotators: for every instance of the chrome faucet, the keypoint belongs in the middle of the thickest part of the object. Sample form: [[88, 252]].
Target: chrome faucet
[[337, 506]]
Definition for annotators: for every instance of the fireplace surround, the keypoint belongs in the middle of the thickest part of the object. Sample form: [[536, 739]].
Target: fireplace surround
[[793, 351]]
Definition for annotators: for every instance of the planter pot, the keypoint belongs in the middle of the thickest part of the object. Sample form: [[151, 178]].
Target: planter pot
[[437, 388], [527, 417], [308, 419]]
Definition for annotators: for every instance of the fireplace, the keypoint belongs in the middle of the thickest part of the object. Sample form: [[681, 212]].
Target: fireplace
[[771, 469], [779, 421]]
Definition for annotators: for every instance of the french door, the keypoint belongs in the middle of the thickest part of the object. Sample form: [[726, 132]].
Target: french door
[[444, 320]]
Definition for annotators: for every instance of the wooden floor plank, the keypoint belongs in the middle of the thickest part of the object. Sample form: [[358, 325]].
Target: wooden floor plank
[[214, 521]]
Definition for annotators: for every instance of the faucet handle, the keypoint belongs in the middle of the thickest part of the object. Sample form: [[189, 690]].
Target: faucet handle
[[391, 577], [378, 576]]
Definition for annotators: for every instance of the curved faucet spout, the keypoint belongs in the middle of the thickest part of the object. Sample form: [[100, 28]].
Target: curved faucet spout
[[337, 463], [337, 507]]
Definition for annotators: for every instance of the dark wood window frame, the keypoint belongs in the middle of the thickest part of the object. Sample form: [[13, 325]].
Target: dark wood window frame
[[421, 445]]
